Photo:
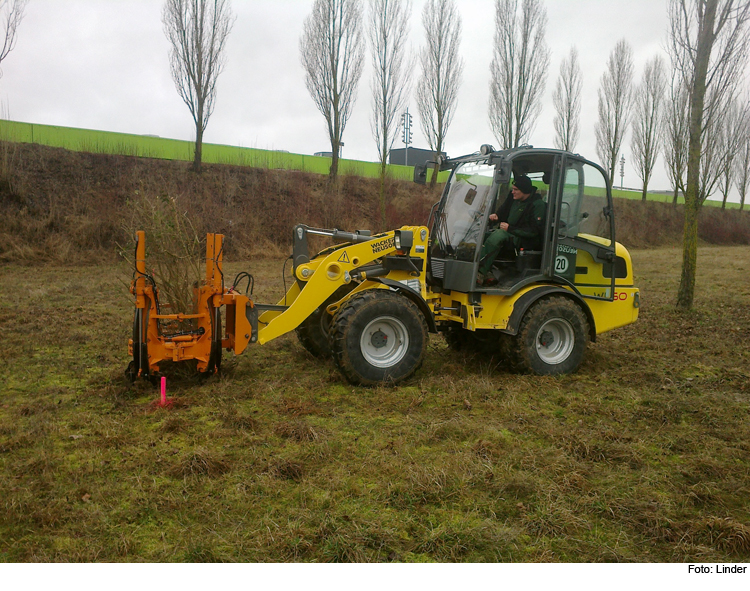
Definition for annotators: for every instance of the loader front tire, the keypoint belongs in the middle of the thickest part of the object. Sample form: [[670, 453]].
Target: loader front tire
[[553, 337], [378, 337]]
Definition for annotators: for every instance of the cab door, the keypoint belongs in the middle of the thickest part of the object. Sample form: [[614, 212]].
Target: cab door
[[584, 231]]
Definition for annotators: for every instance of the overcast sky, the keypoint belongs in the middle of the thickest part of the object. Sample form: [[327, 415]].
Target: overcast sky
[[103, 64]]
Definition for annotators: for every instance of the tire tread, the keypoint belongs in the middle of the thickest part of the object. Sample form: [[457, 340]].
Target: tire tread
[[343, 320], [527, 360]]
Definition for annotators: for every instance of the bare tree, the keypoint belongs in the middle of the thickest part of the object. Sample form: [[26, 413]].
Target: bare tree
[[615, 95], [391, 84], [708, 45], [332, 50], [567, 101], [518, 70], [437, 90], [197, 31], [12, 14], [742, 166], [712, 156], [676, 137], [647, 122], [731, 130]]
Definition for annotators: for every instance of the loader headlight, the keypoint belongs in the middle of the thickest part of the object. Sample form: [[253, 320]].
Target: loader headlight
[[403, 239]]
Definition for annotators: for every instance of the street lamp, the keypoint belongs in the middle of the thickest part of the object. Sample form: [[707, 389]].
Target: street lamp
[[406, 136]]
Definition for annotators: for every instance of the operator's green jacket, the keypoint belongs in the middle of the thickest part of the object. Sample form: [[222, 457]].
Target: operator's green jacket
[[525, 220]]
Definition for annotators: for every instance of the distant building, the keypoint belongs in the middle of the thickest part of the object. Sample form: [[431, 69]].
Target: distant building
[[330, 154], [416, 156]]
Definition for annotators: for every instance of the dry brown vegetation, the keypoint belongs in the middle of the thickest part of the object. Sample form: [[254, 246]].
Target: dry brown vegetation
[[67, 207], [642, 455], [61, 207]]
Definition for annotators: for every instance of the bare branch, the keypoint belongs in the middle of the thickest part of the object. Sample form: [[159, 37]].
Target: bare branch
[[615, 96], [709, 45], [742, 161], [391, 83], [567, 101], [518, 70], [197, 30], [437, 91], [676, 135], [332, 53], [12, 14], [732, 128], [648, 123]]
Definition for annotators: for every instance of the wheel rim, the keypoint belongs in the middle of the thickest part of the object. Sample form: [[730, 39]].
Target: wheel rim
[[555, 341], [384, 341]]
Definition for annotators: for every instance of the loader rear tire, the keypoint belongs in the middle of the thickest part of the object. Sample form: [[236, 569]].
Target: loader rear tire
[[488, 345], [378, 337], [458, 338], [313, 333], [553, 337]]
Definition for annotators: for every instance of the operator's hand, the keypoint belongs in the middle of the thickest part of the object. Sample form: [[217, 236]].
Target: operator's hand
[[493, 217], [504, 226]]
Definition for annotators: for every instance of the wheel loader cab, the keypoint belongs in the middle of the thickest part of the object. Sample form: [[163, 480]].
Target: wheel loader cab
[[577, 217]]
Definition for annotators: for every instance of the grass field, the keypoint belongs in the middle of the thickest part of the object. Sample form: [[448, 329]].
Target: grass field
[[643, 455]]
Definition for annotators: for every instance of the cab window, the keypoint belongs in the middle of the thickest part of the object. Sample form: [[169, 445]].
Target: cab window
[[470, 194], [584, 202]]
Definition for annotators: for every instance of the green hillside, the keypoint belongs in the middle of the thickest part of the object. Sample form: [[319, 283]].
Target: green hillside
[[107, 142]]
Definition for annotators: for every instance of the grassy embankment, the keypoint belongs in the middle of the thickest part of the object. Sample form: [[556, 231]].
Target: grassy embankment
[[60, 206], [642, 455], [147, 146]]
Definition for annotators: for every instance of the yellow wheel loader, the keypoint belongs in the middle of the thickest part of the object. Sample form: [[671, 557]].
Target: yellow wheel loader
[[369, 301]]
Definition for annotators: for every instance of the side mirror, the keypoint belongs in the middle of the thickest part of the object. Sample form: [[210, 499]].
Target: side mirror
[[420, 174]]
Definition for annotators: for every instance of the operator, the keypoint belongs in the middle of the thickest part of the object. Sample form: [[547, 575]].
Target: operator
[[521, 225]]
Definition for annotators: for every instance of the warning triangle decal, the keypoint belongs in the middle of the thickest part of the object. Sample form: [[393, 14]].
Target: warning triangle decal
[[344, 258]]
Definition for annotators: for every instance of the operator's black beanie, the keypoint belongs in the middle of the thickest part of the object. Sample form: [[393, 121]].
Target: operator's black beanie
[[524, 184]]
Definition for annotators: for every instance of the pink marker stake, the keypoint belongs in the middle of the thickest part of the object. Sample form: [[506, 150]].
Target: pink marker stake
[[163, 391]]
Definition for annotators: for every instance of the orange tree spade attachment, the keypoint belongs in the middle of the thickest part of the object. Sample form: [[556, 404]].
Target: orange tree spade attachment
[[330, 281], [202, 341]]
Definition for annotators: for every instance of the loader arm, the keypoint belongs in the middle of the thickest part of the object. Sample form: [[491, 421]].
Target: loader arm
[[394, 260], [319, 278]]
